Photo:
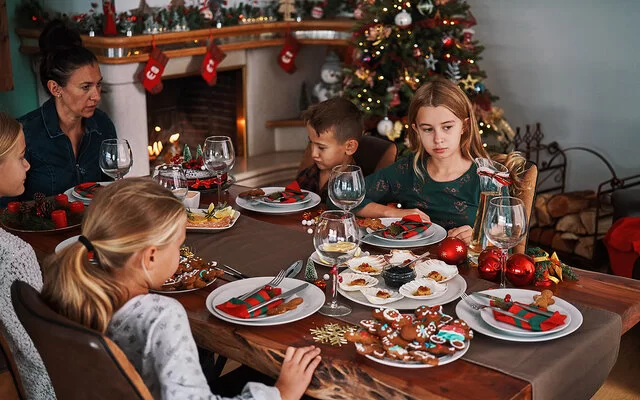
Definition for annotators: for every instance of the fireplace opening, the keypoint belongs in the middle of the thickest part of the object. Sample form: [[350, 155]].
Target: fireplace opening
[[188, 110]]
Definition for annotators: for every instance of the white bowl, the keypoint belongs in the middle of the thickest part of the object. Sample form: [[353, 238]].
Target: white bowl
[[378, 263], [409, 288], [370, 294], [423, 268], [348, 277]]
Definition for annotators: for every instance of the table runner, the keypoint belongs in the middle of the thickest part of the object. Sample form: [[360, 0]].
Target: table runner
[[571, 367]]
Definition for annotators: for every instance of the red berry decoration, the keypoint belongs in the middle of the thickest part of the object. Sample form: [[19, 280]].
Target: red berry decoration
[[520, 269], [452, 251], [489, 268]]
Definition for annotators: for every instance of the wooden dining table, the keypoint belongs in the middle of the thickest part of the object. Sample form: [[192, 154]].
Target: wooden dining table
[[344, 374]]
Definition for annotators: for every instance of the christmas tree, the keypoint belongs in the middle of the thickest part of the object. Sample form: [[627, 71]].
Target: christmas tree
[[401, 44]]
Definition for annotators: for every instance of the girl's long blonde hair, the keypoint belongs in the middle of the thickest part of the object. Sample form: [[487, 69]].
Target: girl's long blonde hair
[[9, 133], [442, 92], [124, 218]]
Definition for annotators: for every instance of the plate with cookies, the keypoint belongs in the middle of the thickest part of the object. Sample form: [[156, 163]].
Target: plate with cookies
[[193, 273], [425, 338]]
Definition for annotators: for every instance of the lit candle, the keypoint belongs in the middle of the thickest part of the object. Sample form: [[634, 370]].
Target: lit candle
[[59, 218], [76, 207], [13, 207], [62, 200]]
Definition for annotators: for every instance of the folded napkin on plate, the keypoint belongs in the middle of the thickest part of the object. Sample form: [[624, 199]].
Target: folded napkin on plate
[[87, 189], [291, 194], [238, 308], [537, 322], [408, 226]]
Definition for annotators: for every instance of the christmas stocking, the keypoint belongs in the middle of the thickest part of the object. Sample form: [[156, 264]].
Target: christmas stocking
[[151, 74], [212, 59], [288, 54]]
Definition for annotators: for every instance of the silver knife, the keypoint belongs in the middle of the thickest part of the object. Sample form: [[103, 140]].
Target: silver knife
[[523, 306], [407, 263], [512, 315], [278, 297], [294, 269]]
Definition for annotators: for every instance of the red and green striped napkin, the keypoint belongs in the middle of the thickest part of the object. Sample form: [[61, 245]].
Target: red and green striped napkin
[[536, 322], [238, 308], [408, 226], [87, 189], [291, 194]]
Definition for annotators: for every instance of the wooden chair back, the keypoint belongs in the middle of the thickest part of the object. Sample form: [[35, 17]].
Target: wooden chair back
[[530, 180]]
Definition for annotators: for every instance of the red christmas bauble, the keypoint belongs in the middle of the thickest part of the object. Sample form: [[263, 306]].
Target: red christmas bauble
[[489, 269], [489, 253], [520, 269], [452, 251]]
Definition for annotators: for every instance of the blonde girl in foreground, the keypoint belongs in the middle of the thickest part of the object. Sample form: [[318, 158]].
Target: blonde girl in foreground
[[130, 243]]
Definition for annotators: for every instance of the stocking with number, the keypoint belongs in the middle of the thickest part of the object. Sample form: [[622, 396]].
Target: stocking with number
[[151, 74], [212, 59], [287, 56]]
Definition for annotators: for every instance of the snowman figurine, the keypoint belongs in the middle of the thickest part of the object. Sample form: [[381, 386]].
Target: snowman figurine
[[330, 84]]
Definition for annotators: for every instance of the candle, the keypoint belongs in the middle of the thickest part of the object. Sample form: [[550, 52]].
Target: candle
[[59, 218], [62, 200], [13, 207], [76, 207]]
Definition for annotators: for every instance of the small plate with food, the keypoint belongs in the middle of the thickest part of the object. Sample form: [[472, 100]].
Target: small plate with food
[[211, 219], [376, 295], [368, 265], [351, 282], [193, 273], [423, 289], [437, 270]]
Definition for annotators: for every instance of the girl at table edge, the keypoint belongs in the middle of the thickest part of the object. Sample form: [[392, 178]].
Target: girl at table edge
[[18, 262], [439, 182], [64, 135], [130, 243]]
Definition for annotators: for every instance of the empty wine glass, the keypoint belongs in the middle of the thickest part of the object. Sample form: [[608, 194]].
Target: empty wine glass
[[173, 178], [505, 226], [346, 186], [336, 238], [116, 158], [219, 157]]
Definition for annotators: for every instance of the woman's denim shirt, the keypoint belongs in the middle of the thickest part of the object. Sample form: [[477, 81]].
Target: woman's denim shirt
[[54, 167]]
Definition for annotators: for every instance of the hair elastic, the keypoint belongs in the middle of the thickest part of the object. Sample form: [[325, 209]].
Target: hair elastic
[[91, 251]]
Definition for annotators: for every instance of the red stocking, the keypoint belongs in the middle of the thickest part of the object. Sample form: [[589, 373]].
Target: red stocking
[[151, 74], [288, 54], [212, 59]]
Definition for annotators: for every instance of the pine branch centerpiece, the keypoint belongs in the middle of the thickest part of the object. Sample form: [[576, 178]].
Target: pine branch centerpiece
[[42, 213]]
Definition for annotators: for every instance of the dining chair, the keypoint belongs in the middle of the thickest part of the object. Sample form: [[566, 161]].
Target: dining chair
[[82, 363], [373, 154], [10, 381], [530, 180]]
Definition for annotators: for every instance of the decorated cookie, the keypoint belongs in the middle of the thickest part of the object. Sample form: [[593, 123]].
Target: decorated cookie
[[419, 331], [361, 336], [424, 357], [398, 353], [371, 325], [544, 299]]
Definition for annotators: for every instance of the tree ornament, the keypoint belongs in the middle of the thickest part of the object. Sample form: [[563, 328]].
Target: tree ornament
[[447, 41], [453, 71], [479, 87], [417, 52], [109, 9], [452, 251], [430, 61], [489, 269], [467, 41], [186, 154], [358, 13], [468, 83], [317, 12], [488, 254], [310, 273], [332, 334], [441, 2], [403, 19], [287, 7], [425, 7], [199, 153], [520, 269], [385, 126]]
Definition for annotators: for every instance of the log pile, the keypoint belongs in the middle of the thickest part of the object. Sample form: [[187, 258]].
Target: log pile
[[567, 222]]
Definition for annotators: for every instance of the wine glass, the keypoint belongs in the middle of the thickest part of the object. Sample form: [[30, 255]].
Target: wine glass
[[116, 158], [505, 226], [346, 186], [173, 178], [219, 157], [336, 238]]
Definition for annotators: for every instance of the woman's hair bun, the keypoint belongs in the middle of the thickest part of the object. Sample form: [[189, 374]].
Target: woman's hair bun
[[57, 36]]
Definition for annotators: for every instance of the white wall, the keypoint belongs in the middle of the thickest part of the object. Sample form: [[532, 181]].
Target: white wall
[[573, 66]]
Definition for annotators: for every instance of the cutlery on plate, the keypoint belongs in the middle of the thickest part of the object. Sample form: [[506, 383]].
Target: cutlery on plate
[[479, 307], [235, 271], [274, 282], [231, 274], [521, 305], [373, 233], [294, 269], [278, 297], [408, 263]]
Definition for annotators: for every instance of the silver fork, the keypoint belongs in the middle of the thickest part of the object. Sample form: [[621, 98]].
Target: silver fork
[[477, 306], [274, 282]]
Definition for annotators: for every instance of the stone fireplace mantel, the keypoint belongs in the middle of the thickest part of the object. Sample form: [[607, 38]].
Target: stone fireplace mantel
[[269, 92]]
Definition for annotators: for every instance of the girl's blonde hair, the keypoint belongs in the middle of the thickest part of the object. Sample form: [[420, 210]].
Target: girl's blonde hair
[[9, 133], [124, 218], [442, 92]]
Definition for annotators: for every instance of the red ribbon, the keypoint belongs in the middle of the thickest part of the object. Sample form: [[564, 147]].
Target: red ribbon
[[505, 181]]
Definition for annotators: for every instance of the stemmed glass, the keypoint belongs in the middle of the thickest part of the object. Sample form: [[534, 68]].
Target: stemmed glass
[[346, 186], [505, 226], [336, 238], [173, 178], [116, 158], [219, 157]]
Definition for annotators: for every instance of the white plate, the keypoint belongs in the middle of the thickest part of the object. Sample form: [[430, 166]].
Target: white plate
[[181, 291], [409, 288], [350, 276], [525, 298], [66, 243], [474, 319], [455, 287], [84, 199], [377, 262], [388, 221], [236, 215], [414, 364], [435, 233], [255, 206], [313, 299], [269, 190], [423, 268]]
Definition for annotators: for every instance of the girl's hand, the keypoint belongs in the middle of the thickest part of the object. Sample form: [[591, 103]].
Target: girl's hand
[[401, 212], [462, 232], [297, 371]]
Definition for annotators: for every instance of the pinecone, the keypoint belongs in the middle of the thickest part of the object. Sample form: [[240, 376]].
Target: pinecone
[[44, 209], [39, 197], [25, 208]]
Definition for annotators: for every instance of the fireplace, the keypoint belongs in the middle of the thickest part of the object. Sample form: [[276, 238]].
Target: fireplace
[[188, 110]]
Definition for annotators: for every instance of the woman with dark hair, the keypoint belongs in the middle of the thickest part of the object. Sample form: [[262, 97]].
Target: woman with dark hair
[[64, 135]]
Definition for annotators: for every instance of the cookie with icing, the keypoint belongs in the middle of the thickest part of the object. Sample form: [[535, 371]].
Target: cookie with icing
[[418, 331], [424, 357], [361, 336], [398, 353], [371, 325]]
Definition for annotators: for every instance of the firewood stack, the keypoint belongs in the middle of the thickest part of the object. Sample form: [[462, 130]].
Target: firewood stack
[[566, 222]]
